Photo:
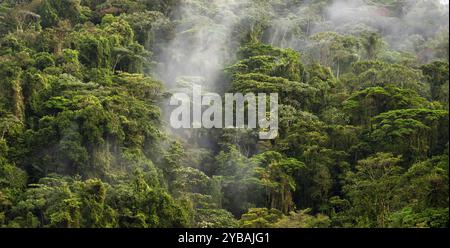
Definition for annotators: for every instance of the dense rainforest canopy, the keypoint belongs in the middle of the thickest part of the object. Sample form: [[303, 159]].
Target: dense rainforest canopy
[[363, 118]]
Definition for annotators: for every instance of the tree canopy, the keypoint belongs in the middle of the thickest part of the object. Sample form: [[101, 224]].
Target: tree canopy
[[363, 114]]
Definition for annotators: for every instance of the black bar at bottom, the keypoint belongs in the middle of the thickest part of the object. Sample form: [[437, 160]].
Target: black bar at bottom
[[185, 238]]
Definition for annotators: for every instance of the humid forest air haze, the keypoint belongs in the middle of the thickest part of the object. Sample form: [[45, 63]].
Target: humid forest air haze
[[85, 139]]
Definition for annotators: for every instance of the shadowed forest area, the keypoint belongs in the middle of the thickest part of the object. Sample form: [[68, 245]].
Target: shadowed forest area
[[363, 120]]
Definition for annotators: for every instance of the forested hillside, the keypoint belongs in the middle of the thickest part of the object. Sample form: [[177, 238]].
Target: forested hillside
[[363, 121]]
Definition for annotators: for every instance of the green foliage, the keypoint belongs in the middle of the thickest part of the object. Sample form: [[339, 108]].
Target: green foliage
[[337, 49], [429, 218], [238, 182], [260, 218], [373, 190], [84, 143], [265, 59], [140, 206], [436, 74], [215, 218], [370, 102], [303, 219], [44, 60], [414, 133], [277, 176], [378, 73]]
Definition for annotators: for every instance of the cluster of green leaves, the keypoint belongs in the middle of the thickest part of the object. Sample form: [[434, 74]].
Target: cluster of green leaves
[[363, 129], [347, 146], [79, 118]]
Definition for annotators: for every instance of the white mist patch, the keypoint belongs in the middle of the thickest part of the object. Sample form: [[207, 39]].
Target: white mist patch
[[202, 42], [405, 26], [416, 20]]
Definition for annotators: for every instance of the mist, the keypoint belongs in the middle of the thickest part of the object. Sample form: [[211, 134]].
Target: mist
[[417, 20], [408, 28], [204, 43], [200, 49]]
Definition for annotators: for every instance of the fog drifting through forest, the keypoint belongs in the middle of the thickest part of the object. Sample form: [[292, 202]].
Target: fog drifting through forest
[[363, 97]]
